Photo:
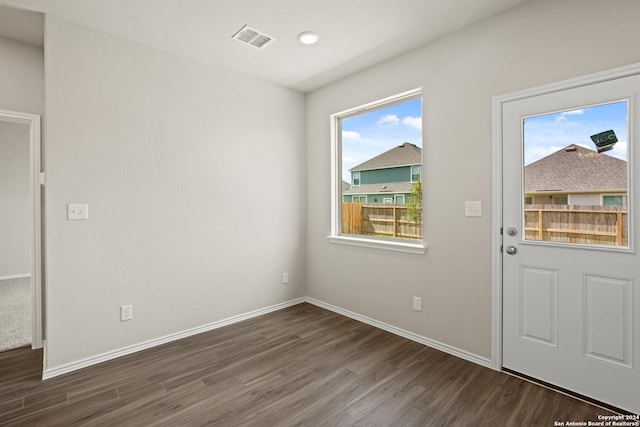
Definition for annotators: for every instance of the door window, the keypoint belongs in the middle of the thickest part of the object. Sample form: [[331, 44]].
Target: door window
[[580, 153]]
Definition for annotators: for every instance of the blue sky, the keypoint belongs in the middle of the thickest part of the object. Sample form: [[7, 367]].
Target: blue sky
[[549, 133], [367, 135]]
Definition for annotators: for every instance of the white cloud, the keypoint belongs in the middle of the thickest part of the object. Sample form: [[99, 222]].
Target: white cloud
[[537, 152], [389, 119], [350, 134], [619, 150], [415, 122], [563, 116]]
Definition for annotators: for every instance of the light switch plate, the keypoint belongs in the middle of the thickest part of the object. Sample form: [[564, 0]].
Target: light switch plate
[[472, 208], [77, 211], [126, 312]]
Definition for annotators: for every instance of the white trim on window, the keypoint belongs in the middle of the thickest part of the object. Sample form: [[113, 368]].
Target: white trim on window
[[360, 199], [397, 197], [353, 178], [419, 173], [378, 243], [405, 245], [624, 198]]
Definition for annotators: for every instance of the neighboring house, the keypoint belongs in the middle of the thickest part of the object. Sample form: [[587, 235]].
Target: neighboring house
[[576, 175], [386, 178]]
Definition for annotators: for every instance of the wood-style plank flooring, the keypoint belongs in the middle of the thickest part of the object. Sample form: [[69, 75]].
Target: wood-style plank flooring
[[299, 366]]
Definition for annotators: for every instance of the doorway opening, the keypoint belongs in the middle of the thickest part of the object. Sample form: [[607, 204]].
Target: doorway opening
[[20, 207]]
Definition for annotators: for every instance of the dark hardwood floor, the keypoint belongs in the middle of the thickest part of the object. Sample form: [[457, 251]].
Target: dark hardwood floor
[[299, 366]]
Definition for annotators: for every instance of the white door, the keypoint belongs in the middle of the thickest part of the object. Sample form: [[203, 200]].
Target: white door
[[571, 273]]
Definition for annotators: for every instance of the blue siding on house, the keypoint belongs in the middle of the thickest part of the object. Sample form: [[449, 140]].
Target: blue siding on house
[[384, 176], [372, 183]]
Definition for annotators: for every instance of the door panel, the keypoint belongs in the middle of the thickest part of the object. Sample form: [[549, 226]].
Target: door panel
[[608, 319], [570, 276], [539, 304]]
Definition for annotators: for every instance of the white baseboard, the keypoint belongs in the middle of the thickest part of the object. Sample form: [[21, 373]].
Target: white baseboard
[[93, 360], [15, 276], [405, 334]]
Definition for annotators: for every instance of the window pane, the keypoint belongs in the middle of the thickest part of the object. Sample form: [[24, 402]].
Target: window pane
[[613, 201], [382, 162], [416, 173], [355, 178], [572, 159]]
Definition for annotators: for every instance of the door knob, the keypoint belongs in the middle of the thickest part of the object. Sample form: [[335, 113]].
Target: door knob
[[511, 250]]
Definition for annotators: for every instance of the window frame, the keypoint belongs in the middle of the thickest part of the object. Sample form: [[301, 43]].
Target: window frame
[[353, 178], [359, 197], [336, 236], [623, 195], [555, 199], [411, 173]]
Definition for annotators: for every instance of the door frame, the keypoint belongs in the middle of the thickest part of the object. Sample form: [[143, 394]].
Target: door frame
[[497, 105], [35, 178]]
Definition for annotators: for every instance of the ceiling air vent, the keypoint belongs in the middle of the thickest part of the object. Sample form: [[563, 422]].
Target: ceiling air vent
[[252, 37]]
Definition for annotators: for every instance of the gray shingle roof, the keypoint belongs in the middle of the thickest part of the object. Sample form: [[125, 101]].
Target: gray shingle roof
[[403, 155], [575, 168], [394, 187]]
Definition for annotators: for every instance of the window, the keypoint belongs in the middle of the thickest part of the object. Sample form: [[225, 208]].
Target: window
[[377, 150], [528, 200], [355, 179], [617, 200], [590, 175], [416, 173], [560, 200]]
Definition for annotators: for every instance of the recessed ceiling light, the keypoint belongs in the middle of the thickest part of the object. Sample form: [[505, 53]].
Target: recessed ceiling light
[[308, 37]]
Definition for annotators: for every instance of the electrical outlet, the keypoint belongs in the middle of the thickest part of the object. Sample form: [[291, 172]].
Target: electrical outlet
[[126, 312], [77, 211], [417, 303], [285, 278]]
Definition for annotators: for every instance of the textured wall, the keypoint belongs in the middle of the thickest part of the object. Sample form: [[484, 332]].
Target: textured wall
[[194, 178], [15, 209], [21, 77], [539, 42]]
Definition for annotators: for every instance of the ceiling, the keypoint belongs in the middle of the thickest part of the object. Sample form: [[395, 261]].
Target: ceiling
[[354, 34]]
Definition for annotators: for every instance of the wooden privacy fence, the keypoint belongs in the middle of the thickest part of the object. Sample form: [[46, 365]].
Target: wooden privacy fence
[[380, 220], [594, 225]]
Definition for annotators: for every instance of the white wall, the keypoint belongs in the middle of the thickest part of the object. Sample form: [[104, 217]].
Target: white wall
[[195, 181], [15, 210], [21, 77], [539, 42]]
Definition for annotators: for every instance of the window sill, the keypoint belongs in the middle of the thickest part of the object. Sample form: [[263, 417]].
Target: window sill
[[413, 248]]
